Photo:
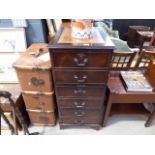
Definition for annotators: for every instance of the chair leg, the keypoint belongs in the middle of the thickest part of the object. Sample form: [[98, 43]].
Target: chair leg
[[13, 130], [150, 119], [107, 111]]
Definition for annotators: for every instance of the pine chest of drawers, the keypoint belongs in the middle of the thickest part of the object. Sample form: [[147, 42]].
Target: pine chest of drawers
[[34, 73], [80, 72]]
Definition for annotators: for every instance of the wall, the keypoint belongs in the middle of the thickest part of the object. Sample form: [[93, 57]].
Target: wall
[[36, 31], [122, 25]]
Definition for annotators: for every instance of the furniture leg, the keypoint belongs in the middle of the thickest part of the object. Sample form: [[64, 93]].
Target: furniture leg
[[150, 119], [13, 130], [107, 111]]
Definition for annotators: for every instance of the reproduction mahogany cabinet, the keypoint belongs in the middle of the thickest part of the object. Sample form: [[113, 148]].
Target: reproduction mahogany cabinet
[[80, 72]]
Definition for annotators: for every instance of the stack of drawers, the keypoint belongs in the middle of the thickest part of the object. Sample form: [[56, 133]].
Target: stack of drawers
[[34, 73], [80, 73]]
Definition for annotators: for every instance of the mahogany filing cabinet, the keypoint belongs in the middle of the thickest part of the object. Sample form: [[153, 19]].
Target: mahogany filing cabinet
[[80, 72]]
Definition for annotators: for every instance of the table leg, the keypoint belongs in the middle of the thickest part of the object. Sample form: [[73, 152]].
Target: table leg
[[150, 119], [107, 111]]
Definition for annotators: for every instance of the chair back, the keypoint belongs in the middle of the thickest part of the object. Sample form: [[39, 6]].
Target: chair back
[[144, 59], [152, 41], [122, 60]]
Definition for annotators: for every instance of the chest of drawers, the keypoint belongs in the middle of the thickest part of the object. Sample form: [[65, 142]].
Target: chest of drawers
[[80, 72], [34, 73]]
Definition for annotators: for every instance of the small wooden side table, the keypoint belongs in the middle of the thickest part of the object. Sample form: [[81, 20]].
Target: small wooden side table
[[118, 94]]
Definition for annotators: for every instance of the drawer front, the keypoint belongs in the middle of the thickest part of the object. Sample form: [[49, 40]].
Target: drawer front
[[81, 59], [80, 91], [70, 116], [35, 80], [81, 76], [41, 118], [39, 101], [79, 103], [74, 112]]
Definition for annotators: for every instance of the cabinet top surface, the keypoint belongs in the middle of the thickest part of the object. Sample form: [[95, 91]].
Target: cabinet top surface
[[99, 39]]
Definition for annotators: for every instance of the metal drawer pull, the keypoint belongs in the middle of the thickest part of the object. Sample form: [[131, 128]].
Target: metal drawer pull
[[81, 60], [79, 121], [78, 105], [79, 91], [37, 82], [83, 78], [82, 64], [79, 113]]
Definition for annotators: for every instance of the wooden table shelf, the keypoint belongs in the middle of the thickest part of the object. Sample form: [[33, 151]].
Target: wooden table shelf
[[129, 109]]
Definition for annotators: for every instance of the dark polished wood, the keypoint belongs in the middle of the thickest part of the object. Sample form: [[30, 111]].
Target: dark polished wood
[[80, 72], [81, 103], [145, 36], [70, 116], [81, 76], [118, 94], [81, 91], [150, 119], [82, 58]]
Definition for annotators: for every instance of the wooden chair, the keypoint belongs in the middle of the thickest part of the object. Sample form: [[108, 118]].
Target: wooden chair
[[150, 43], [122, 60], [144, 59]]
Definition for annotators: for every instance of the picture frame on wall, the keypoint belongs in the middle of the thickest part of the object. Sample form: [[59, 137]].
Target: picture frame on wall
[[12, 40], [12, 44]]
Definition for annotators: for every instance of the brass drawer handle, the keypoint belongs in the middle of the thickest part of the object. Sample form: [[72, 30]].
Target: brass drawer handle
[[80, 80], [81, 60], [79, 105], [79, 121], [79, 91], [37, 82], [79, 113], [42, 103], [44, 119]]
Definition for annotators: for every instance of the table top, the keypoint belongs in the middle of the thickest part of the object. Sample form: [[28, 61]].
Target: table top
[[64, 39], [148, 34], [116, 86]]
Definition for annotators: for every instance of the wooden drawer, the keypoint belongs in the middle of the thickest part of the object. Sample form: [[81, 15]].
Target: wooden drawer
[[80, 91], [70, 116], [39, 101], [74, 112], [81, 59], [80, 103], [42, 118], [81, 76], [32, 80]]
